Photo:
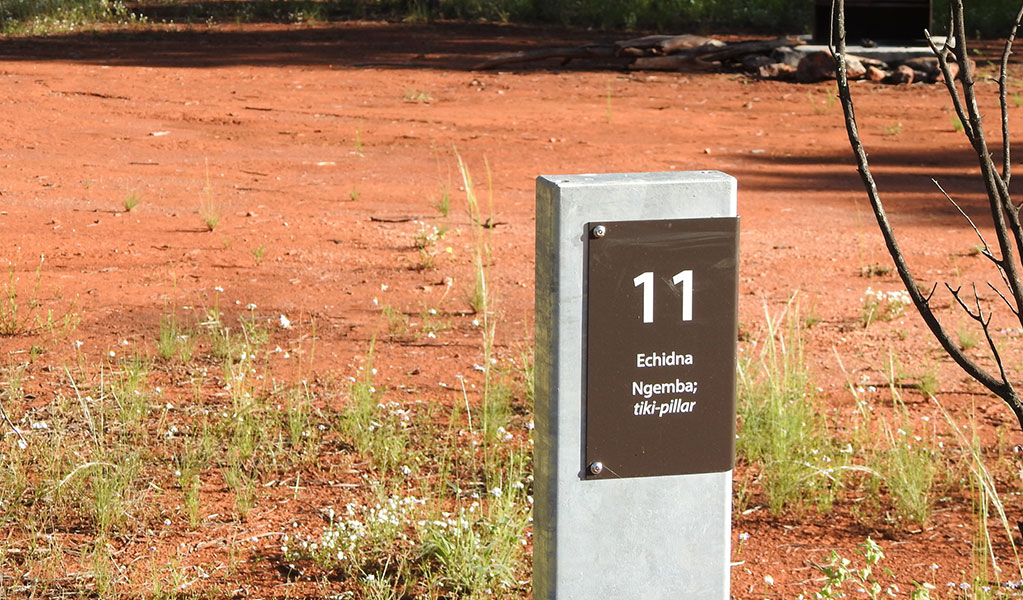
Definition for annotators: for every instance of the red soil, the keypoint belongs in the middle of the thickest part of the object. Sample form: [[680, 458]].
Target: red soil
[[326, 145]]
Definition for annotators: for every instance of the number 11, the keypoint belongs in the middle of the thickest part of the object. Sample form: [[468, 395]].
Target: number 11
[[647, 281]]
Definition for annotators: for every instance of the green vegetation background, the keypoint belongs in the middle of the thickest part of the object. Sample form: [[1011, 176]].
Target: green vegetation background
[[989, 18]]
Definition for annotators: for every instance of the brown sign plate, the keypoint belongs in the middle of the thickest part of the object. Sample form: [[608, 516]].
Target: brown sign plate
[[660, 347]]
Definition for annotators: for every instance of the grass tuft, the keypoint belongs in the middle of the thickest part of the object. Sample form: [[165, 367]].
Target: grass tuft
[[781, 429]]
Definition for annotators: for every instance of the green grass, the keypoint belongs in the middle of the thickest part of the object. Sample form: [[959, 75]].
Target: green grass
[[118, 455], [210, 209], [781, 429], [417, 96], [893, 129], [908, 465], [967, 337], [18, 302], [175, 341], [425, 239], [258, 253], [883, 306], [443, 203], [130, 201], [479, 297], [822, 106], [988, 508]]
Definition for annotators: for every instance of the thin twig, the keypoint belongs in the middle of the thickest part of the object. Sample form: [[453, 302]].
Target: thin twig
[[7, 419], [1003, 78], [1004, 299], [987, 248], [85, 407], [950, 83]]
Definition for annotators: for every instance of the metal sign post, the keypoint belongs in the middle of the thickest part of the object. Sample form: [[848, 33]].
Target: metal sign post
[[636, 284]]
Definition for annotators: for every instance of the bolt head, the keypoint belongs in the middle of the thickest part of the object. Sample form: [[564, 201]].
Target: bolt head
[[596, 468], [599, 231]]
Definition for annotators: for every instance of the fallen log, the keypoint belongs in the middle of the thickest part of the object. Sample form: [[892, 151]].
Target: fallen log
[[643, 43], [741, 49], [673, 62], [688, 41], [667, 44], [654, 52]]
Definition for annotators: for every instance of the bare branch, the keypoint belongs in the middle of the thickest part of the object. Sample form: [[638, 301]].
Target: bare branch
[[1004, 299], [998, 386], [985, 324], [978, 316], [950, 81], [1003, 79], [999, 199], [987, 249]]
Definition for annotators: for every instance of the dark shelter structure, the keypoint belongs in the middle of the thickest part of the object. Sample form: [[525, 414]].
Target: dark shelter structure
[[876, 21]]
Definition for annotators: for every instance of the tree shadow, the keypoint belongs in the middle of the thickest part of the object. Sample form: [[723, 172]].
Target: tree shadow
[[903, 178], [449, 46]]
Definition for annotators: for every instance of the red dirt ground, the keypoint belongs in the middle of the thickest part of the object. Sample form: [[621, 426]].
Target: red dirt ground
[[325, 145]]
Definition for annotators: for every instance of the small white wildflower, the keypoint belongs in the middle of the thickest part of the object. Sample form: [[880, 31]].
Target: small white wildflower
[[285, 322], [218, 289], [496, 492], [769, 580]]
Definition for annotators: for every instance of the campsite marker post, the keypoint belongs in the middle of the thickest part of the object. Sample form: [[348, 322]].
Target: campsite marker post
[[636, 287]]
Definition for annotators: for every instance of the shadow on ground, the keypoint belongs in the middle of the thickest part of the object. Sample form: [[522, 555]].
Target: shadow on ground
[[450, 46]]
